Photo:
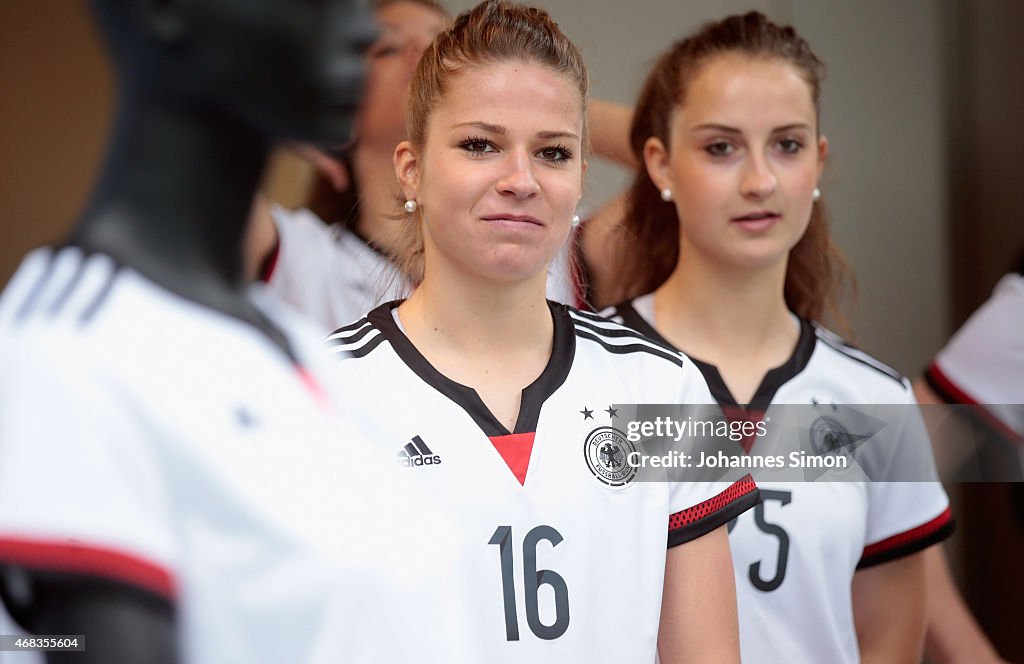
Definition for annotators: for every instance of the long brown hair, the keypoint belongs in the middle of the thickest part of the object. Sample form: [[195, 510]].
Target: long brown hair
[[817, 274], [493, 31]]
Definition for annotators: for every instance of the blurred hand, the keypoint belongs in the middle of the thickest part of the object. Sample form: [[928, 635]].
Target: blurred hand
[[331, 168]]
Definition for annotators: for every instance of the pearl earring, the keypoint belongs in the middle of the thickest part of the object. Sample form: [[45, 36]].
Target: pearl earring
[[410, 206], [576, 220], [816, 195], [666, 194]]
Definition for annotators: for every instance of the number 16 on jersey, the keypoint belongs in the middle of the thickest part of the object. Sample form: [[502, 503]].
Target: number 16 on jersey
[[533, 579]]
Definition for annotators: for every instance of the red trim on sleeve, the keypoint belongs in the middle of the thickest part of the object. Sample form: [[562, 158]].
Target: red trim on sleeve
[[738, 490], [922, 532], [951, 393], [75, 558], [515, 449]]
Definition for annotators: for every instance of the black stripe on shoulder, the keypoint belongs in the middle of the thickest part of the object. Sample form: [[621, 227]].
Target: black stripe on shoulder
[[839, 345], [348, 328], [590, 315], [363, 350], [335, 340], [29, 303], [631, 348], [101, 296], [69, 288], [619, 332]]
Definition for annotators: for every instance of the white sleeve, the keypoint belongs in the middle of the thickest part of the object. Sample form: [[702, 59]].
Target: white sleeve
[[698, 508], [905, 517], [984, 361], [301, 263], [81, 487]]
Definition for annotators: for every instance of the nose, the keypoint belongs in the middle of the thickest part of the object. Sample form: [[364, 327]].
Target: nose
[[758, 179], [518, 179]]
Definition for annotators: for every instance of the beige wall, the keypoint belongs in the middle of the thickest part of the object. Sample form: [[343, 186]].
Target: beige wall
[[54, 115]]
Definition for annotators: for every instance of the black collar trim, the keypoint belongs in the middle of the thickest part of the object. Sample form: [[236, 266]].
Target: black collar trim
[[534, 395], [772, 381], [770, 384]]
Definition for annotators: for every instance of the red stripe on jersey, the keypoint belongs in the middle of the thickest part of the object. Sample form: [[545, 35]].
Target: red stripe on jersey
[[907, 537], [75, 558], [270, 263], [314, 388], [515, 449], [738, 490], [951, 393]]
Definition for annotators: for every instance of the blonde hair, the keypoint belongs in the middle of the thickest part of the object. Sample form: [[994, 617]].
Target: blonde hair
[[493, 31]]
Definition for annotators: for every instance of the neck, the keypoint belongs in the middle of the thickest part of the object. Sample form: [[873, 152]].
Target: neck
[[705, 307], [378, 191], [473, 316], [173, 199]]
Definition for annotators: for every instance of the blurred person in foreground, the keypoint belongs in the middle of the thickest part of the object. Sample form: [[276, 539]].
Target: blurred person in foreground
[[173, 481]]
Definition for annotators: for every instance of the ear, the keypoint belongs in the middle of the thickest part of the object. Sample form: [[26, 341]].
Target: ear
[[656, 158], [822, 154], [165, 20], [583, 176], [407, 169]]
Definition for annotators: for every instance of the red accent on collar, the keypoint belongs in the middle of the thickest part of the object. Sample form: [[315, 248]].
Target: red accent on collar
[[515, 449]]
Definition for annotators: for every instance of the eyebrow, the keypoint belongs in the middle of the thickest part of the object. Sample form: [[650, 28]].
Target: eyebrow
[[733, 130], [501, 131]]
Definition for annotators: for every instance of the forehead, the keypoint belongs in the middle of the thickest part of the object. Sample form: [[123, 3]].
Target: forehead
[[736, 90], [516, 94], [409, 18]]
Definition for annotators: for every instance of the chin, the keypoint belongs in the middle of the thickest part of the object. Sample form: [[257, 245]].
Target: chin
[[511, 272], [764, 258]]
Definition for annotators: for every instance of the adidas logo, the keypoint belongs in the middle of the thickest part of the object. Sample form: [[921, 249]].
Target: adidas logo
[[417, 453]]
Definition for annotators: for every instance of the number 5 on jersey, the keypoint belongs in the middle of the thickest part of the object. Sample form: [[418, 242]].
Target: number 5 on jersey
[[533, 579]]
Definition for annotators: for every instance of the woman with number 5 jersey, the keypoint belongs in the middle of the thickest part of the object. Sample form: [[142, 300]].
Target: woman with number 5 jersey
[[729, 259], [504, 403]]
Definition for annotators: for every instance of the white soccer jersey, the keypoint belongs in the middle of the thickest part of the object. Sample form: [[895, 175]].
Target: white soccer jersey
[[161, 445], [334, 276], [564, 550], [984, 361], [795, 554]]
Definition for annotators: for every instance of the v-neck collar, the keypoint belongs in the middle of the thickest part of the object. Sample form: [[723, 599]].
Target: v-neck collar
[[533, 396], [770, 383]]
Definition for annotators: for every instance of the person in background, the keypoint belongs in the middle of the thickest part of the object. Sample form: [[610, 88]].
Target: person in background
[[724, 253]]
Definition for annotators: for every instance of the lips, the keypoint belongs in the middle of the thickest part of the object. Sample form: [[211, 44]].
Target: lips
[[512, 219], [760, 215], [758, 221]]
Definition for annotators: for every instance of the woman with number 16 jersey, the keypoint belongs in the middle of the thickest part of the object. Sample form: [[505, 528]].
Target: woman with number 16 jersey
[[504, 403], [729, 259]]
